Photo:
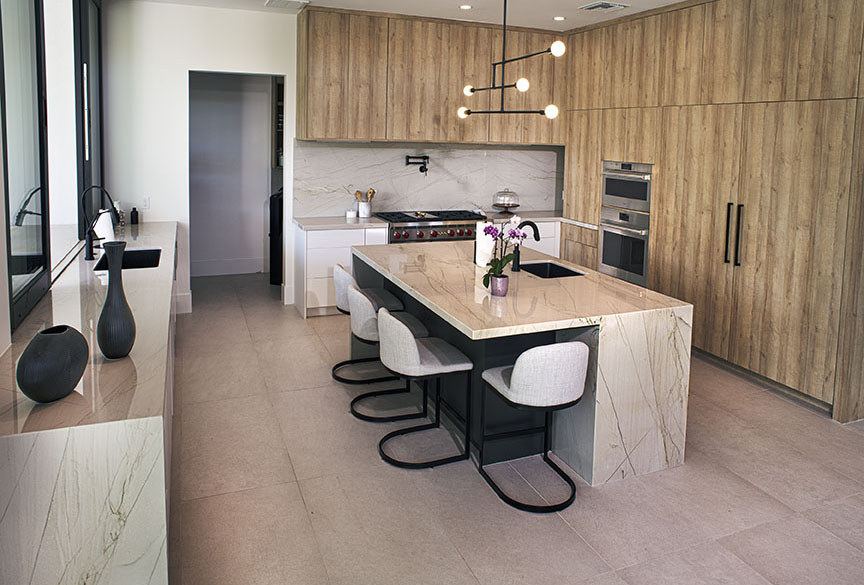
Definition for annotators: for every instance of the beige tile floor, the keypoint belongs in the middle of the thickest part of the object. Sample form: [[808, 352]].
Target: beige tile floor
[[275, 483]]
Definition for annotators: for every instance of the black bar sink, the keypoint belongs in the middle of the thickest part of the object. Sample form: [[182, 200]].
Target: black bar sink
[[134, 259], [549, 270]]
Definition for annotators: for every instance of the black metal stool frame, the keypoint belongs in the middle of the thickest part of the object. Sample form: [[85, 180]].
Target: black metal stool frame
[[547, 439], [432, 425], [355, 382]]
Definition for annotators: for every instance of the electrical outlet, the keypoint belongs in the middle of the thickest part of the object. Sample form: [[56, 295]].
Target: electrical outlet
[[146, 203]]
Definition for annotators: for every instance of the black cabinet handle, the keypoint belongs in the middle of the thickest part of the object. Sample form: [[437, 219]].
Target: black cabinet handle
[[738, 235], [729, 207]]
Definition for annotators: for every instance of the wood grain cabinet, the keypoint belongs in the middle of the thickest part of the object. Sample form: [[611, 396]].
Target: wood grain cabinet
[[803, 49], [692, 215], [724, 51], [796, 165], [682, 34], [630, 135], [342, 79], [631, 59], [585, 60], [582, 182], [541, 73], [579, 245]]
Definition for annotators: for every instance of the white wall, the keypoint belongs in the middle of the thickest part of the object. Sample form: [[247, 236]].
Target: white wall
[[60, 87], [149, 50], [229, 172]]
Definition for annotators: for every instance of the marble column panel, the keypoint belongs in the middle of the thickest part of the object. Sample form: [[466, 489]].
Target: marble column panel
[[636, 396], [84, 505]]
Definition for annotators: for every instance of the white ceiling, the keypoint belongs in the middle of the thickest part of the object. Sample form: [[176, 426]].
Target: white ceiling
[[531, 13]]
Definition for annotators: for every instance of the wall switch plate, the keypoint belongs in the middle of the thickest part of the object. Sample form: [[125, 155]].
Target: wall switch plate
[[146, 203]]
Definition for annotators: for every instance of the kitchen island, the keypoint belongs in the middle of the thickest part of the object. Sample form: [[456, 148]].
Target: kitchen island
[[632, 418]]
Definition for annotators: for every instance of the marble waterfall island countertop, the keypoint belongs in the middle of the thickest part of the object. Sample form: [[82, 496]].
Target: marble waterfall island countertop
[[443, 276], [632, 419]]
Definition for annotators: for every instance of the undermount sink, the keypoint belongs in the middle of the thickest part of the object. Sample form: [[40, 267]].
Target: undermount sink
[[550, 270], [145, 258]]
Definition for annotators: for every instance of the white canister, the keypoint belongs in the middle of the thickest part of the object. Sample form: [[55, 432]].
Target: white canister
[[364, 209]]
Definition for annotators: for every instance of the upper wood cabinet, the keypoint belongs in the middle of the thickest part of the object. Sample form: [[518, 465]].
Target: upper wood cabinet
[[803, 49], [630, 135], [542, 72], [367, 77], [418, 107], [692, 207], [631, 59], [682, 33], [470, 54], [341, 76], [724, 51], [585, 86], [796, 166]]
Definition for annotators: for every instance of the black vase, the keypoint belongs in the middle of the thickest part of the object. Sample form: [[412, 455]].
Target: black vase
[[116, 329], [52, 364]]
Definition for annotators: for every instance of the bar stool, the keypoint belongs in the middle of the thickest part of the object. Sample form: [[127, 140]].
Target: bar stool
[[545, 378], [421, 359], [364, 327], [342, 279]]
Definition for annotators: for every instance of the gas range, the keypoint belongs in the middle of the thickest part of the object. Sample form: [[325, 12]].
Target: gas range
[[426, 226]]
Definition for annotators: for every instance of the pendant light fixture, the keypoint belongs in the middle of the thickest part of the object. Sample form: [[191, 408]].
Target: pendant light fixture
[[557, 49]]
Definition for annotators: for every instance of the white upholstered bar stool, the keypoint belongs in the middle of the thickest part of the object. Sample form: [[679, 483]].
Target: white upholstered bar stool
[[342, 279], [364, 326], [421, 359], [544, 378]]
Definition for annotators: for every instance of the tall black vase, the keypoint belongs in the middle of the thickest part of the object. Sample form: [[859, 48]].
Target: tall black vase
[[116, 329]]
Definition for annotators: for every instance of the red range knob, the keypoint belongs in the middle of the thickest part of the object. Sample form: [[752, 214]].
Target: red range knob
[[396, 235], [468, 232], [461, 232], [405, 235], [419, 234], [433, 234], [451, 233]]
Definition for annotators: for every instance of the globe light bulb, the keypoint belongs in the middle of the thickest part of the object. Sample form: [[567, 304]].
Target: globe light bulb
[[469, 90], [522, 84], [551, 111], [462, 112], [558, 48]]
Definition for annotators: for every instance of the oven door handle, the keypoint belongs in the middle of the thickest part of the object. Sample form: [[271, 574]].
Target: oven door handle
[[622, 230], [627, 176]]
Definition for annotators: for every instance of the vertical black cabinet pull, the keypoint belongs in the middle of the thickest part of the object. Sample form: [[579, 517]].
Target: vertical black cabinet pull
[[738, 235], [729, 207]]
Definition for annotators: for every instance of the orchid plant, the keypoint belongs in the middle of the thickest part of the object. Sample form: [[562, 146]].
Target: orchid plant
[[505, 235]]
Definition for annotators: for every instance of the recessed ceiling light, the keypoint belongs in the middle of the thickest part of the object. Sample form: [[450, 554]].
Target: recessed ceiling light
[[559, 18], [465, 7]]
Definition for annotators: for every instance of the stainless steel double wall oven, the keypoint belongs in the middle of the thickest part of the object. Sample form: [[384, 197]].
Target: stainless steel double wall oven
[[625, 220]]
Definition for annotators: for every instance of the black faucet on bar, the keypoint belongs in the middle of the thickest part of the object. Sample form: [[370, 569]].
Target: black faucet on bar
[[91, 224], [516, 253]]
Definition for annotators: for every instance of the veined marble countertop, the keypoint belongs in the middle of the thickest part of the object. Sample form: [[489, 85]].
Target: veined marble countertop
[[443, 276], [110, 390], [340, 222]]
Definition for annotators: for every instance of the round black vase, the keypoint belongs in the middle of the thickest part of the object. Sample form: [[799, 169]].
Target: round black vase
[[52, 364], [116, 329]]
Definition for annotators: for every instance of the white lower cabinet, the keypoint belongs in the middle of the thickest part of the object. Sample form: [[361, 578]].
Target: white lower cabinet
[[315, 254], [550, 238]]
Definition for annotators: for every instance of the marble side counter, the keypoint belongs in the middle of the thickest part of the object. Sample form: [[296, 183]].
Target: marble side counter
[[85, 479], [632, 417], [337, 222]]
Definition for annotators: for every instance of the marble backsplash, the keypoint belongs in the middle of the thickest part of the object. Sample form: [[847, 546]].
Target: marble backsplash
[[460, 177]]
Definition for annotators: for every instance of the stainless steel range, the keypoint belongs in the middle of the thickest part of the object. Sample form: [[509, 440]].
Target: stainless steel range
[[430, 226]]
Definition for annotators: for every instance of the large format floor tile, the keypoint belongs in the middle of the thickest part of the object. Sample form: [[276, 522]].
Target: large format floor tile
[[231, 445], [796, 551], [260, 536], [376, 529], [273, 481]]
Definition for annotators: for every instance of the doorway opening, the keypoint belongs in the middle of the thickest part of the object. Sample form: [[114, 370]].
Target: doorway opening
[[235, 170]]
